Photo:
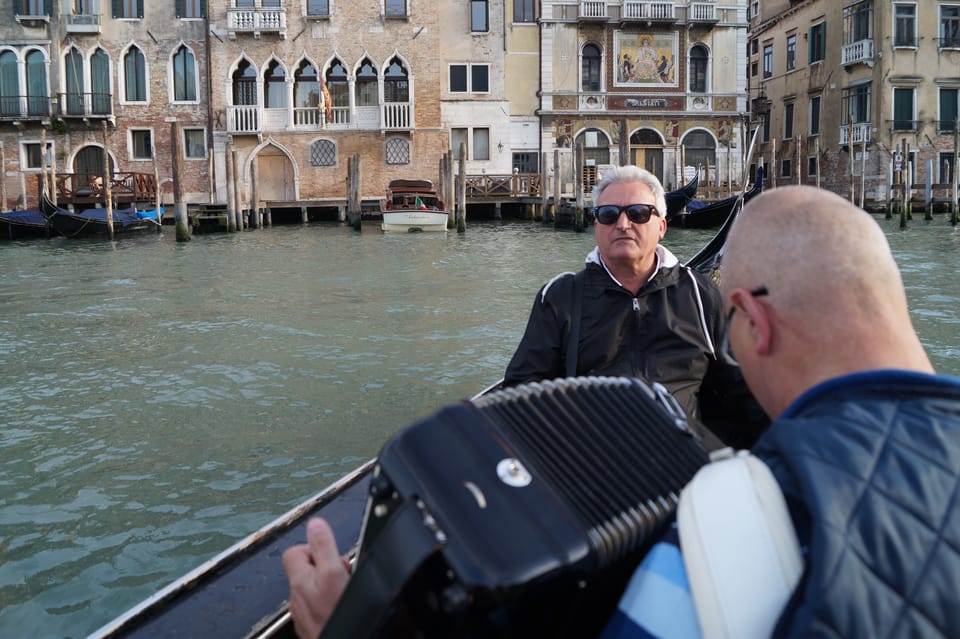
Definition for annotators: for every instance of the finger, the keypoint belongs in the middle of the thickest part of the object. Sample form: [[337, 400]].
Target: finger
[[296, 559], [320, 539]]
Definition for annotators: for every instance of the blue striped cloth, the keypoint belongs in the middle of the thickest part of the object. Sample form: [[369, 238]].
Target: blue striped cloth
[[657, 602]]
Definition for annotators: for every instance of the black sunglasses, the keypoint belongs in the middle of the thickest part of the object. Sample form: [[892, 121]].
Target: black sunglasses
[[636, 213]]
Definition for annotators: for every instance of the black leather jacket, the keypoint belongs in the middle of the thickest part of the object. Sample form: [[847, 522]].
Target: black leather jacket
[[668, 333]]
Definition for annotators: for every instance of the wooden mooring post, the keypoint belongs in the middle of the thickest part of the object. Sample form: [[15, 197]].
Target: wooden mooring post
[[555, 209], [3, 178], [353, 192], [955, 202], [578, 164], [462, 189], [107, 186], [231, 196], [254, 218], [543, 188], [238, 201], [157, 200], [181, 223]]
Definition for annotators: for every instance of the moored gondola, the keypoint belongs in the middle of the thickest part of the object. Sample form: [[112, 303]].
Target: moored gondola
[[94, 222], [678, 199], [714, 215], [15, 225]]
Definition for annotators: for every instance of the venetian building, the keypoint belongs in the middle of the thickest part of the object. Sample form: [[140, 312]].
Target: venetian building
[[299, 87], [839, 87], [68, 67], [660, 84]]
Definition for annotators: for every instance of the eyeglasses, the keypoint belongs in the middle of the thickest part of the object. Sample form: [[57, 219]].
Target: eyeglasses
[[636, 213], [725, 352]]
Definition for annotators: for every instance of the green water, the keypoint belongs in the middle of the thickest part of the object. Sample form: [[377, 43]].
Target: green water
[[160, 400]]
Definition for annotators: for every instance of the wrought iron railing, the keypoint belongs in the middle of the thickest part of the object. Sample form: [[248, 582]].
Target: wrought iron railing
[[85, 104]]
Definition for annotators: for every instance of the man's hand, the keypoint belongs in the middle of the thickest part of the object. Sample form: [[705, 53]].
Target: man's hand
[[317, 577]]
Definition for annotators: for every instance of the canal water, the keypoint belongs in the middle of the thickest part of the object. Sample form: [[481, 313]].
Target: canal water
[[160, 400]]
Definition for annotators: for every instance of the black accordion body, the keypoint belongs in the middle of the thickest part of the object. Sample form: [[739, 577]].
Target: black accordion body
[[520, 514]]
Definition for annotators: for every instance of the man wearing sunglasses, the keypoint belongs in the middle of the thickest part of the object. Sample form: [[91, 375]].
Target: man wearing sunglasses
[[634, 310]]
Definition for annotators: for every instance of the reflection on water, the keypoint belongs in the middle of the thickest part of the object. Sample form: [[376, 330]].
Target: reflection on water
[[162, 400]]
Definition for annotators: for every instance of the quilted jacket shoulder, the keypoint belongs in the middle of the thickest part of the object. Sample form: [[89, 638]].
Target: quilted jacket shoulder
[[870, 467]]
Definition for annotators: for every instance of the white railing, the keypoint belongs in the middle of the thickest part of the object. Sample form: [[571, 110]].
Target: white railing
[[593, 9], [647, 10], [861, 133], [861, 51], [244, 118], [309, 117], [396, 115], [701, 12], [340, 116], [257, 20]]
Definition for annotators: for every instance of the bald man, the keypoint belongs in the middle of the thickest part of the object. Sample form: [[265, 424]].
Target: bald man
[[865, 442]]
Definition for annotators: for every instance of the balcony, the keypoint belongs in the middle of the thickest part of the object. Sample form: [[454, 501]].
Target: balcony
[[861, 133], [24, 107], [244, 119], [702, 12], [860, 51], [592, 10], [82, 23], [253, 119], [85, 105], [257, 21], [647, 11], [396, 116]]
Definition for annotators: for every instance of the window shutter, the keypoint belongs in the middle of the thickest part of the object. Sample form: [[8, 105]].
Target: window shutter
[[117, 9], [140, 9], [179, 9], [203, 8], [48, 7]]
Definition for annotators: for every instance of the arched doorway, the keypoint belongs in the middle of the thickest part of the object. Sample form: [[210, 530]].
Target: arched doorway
[[700, 150], [275, 175], [646, 151], [596, 151], [89, 161]]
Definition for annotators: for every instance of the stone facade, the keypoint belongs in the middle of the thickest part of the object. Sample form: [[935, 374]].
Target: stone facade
[[659, 81], [379, 66], [882, 74], [68, 64]]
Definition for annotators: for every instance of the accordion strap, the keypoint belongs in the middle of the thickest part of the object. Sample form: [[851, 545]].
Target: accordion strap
[[381, 576], [739, 547]]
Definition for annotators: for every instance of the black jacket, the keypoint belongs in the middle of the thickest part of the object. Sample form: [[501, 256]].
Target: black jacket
[[668, 333]]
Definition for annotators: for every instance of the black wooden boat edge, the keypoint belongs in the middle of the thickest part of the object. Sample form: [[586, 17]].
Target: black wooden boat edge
[[155, 605]]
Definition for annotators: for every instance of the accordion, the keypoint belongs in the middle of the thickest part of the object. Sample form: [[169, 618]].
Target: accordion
[[521, 513]]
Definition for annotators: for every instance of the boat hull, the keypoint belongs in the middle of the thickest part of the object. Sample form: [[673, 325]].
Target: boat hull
[[414, 221], [15, 225], [93, 222]]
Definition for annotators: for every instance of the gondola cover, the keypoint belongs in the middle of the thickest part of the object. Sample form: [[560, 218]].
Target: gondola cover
[[520, 514]]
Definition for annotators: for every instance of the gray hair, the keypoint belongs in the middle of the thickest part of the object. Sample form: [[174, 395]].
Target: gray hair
[[631, 173]]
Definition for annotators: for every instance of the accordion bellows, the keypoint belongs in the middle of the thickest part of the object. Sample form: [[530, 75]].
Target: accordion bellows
[[522, 513]]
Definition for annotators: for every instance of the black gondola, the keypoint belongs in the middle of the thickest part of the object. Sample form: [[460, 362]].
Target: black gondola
[[242, 592], [93, 222], [15, 225], [678, 199], [714, 215]]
